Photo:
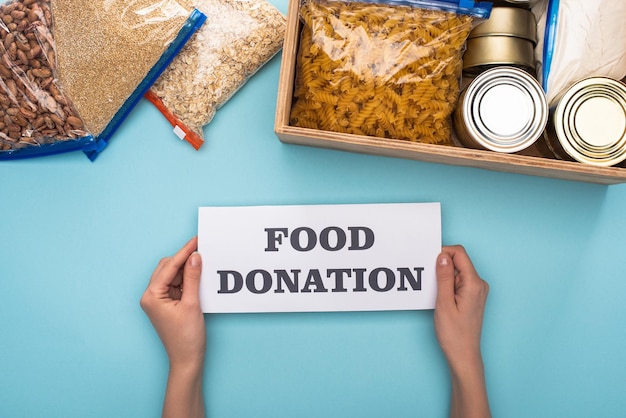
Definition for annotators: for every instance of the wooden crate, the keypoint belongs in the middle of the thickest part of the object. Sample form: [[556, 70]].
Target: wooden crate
[[455, 155]]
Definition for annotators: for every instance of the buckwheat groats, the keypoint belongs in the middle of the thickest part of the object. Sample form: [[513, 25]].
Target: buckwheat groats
[[106, 48]]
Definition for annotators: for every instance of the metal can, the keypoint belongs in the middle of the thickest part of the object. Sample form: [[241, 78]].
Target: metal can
[[587, 123], [488, 52], [508, 21], [504, 109], [508, 38]]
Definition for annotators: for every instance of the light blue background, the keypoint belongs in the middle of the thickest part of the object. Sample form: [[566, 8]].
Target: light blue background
[[79, 241]]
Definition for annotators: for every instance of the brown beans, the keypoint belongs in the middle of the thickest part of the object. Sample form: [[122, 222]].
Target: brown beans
[[33, 109], [41, 72], [74, 121]]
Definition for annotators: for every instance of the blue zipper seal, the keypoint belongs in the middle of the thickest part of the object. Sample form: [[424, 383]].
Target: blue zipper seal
[[552, 17], [47, 149], [481, 9]]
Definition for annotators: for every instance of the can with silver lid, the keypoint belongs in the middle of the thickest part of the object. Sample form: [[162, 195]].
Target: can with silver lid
[[503, 109], [588, 123]]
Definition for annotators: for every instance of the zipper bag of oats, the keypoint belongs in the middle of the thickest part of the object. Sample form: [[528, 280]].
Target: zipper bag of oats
[[36, 117], [106, 54], [237, 39], [388, 69]]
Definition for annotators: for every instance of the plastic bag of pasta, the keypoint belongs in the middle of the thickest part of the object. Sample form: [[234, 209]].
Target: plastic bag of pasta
[[238, 38], [386, 69]]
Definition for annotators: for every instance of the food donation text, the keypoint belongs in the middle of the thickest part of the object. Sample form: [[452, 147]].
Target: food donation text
[[338, 280]]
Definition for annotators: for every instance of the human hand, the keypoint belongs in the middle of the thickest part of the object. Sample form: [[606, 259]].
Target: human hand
[[459, 310], [460, 305], [172, 302]]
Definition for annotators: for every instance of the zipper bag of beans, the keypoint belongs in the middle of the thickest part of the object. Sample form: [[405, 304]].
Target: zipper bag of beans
[[102, 57], [237, 39], [388, 69], [36, 117]]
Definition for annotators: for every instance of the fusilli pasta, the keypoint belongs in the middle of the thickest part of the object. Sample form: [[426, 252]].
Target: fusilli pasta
[[379, 70]]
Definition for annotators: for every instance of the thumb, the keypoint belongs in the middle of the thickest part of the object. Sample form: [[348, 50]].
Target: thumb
[[191, 279], [445, 281]]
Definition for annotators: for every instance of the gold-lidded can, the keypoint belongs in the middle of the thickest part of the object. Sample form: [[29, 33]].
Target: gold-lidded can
[[487, 52], [508, 21], [503, 109], [588, 123], [507, 38]]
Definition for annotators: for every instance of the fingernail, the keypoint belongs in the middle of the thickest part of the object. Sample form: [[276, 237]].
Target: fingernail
[[195, 260], [443, 260]]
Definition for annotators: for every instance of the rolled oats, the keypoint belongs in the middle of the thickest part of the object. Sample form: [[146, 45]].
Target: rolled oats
[[237, 39]]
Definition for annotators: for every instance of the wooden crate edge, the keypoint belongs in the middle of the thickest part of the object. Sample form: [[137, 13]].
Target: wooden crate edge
[[517, 164]]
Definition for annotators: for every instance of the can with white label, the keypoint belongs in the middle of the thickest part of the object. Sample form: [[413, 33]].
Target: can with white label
[[503, 109], [587, 123]]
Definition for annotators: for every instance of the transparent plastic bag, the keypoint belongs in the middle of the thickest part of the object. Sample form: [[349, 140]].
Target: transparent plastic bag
[[91, 63], [386, 69], [35, 114], [238, 38], [111, 51]]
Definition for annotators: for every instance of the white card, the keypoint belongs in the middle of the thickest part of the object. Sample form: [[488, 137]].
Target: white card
[[316, 258]]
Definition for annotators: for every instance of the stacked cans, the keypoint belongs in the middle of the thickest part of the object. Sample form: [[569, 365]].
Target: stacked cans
[[503, 108], [508, 37]]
